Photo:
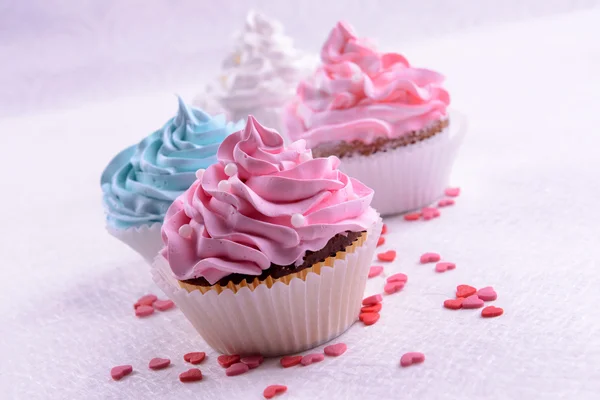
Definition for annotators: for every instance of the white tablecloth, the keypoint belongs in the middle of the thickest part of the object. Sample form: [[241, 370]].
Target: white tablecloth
[[526, 223]]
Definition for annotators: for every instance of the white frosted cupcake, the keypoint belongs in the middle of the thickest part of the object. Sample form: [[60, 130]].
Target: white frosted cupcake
[[387, 121], [141, 182], [262, 72], [268, 252]]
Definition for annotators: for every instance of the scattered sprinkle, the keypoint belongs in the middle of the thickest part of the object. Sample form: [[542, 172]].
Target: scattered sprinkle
[[290, 361], [388, 256], [163, 305], [226, 361], [195, 357], [384, 229], [120, 371], [312, 358], [236, 369], [159, 363], [452, 192], [146, 300], [412, 358], [472, 302], [369, 318], [465, 291], [380, 241], [253, 361], [191, 375], [393, 287], [487, 294], [399, 277], [273, 390], [444, 266], [491, 312], [429, 258], [373, 308], [144, 311], [372, 300], [430, 213], [375, 270], [335, 350], [454, 304], [446, 202], [412, 216]]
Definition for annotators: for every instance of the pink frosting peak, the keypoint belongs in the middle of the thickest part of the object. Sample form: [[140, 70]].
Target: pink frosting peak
[[361, 94], [261, 203]]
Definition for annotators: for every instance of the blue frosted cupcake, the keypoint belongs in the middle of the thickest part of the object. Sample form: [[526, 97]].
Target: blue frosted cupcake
[[142, 181]]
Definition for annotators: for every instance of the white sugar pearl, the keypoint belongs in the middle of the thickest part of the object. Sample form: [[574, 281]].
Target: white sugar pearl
[[298, 220], [199, 173], [185, 231], [231, 169], [224, 186], [306, 156]]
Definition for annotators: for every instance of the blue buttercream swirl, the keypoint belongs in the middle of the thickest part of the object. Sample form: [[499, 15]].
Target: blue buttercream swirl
[[142, 181]]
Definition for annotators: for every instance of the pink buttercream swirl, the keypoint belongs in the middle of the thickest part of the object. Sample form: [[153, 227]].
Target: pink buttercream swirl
[[245, 225], [360, 94]]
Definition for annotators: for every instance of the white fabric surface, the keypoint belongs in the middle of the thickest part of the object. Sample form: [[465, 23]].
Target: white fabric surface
[[526, 223]]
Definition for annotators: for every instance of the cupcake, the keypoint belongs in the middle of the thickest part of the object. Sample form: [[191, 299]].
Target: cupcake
[[142, 181], [388, 122], [262, 72], [268, 252]]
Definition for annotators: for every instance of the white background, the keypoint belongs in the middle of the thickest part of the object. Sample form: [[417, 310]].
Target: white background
[[526, 221]]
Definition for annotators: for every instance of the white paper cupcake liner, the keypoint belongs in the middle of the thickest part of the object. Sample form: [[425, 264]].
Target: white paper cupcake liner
[[146, 239], [409, 177], [283, 319]]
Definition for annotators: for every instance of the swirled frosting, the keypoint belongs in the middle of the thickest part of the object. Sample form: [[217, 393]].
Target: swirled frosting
[[142, 181], [264, 69], [261, 203], [361, 94]]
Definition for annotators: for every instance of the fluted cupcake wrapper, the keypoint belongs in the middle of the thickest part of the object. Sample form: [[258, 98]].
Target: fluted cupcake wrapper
[[409, 177], [283, 318], [145, 239]]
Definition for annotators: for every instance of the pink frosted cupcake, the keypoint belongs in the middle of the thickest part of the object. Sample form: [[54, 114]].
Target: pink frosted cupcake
[[269, 251], [388, 122]]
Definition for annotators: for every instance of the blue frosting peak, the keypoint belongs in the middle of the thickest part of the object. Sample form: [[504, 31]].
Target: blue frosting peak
[[142, 181]]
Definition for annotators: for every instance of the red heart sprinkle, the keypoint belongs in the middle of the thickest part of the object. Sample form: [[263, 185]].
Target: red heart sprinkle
[[412, 216], [146, 300], [444, 266], [454, 304], [237, 369], [195, 357], [335, 350], [375, 270], [373, 308], [384, 229], [445, 202], [491, 311], [393, 287], [380, 241], [429, 258], [163, 305], [273, 390], [399, 277], [452, 192], [430, 213], [290, 361], [465, 291], [312, 358], [226, 361], [159, 363], [372, 300], [369, 318], [487, 294], [412, 358], [253, 361], [191, 375], [389, 256], [144, 311], [472, 302], [120, 371]]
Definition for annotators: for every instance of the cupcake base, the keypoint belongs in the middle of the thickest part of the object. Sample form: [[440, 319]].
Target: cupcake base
[[283, 316], [146, 239], [412, 176]]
